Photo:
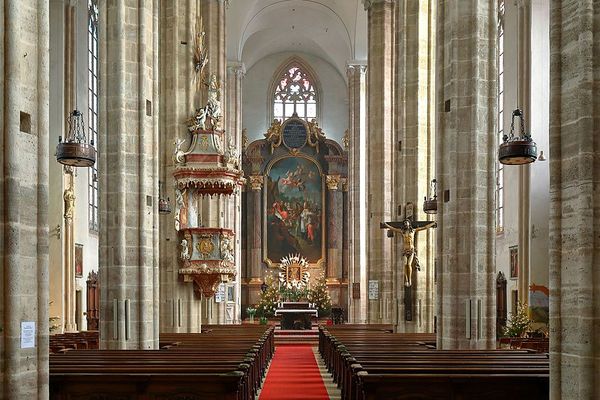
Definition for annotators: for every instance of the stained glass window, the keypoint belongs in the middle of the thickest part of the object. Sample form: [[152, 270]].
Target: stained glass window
[[295, 93]]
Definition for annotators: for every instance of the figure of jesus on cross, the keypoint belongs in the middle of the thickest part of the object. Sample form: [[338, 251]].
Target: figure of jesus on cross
[[408, 231]]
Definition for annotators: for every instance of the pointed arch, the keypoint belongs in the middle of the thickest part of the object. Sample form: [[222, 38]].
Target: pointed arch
[[294, 88]]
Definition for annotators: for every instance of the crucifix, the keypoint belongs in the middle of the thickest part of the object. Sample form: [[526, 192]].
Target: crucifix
[[408, 228]]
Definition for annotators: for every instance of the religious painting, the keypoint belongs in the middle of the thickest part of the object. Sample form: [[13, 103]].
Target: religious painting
[[539, 303], [294, 210], [78, 260], [514, 261]]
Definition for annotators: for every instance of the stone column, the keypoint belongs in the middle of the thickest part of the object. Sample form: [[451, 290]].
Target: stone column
[[334, 228], [24, 99], [335, 208], [235, 78], [466, 158], [254, 241], [180, 309], [69, 252], [128, 175], [415, 107], [381, 145], [574, 199], [357, 193]]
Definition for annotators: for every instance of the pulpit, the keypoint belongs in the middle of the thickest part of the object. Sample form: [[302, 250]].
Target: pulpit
[[296, 315]]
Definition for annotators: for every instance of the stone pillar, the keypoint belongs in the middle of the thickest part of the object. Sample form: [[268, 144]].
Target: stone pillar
[[24, 99], [235, 78], [254, 241], [466, 152], [69, 252], [357, 193], [574, 199], [415, 163], [381, 145], [180, 309], [334, 228], [128, 175], [335, 208]]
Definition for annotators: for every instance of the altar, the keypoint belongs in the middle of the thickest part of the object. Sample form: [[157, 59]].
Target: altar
[[296, 315]]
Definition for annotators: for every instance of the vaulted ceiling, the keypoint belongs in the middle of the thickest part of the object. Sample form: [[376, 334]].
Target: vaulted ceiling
[[335, 30]]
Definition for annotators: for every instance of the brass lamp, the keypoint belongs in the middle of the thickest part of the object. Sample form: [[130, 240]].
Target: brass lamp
[[75, 151], [517, 150]]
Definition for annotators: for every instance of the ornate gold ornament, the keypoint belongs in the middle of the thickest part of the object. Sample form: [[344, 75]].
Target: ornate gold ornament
[[346, 139], [205, 247], [333, 182], [256, 181], [200, 56], [69, 198], [294, 272], [315, 134], [274, 135]]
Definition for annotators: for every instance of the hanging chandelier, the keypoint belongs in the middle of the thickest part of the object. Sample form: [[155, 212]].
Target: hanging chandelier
[[430, 205], [164, 205], [75, 151], [517, 150]]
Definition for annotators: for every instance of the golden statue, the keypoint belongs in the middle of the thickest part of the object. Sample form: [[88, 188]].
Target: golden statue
[[408, 245], [69, 198]]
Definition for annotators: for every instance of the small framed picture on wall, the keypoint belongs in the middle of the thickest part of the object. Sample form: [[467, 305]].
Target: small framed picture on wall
[[514, 261], [78, 260]]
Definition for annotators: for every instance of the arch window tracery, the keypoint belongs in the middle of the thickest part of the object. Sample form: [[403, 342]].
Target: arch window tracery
[[295, 93]]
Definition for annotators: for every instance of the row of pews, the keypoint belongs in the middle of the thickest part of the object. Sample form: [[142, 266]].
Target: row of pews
[[369, 364], [225, 362], [73, 341]]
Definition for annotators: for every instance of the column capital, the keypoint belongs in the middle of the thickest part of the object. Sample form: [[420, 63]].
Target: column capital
[[369, 3], [256, 182], [356, 66], [333, 181], [236, 67]]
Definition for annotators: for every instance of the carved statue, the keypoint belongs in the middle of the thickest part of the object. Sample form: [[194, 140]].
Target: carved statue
[[408, 249], [69, 198], [180, 209], [227, 249], [232, 157], [185, 251], [200, 56], [212, 110], [274, 134]]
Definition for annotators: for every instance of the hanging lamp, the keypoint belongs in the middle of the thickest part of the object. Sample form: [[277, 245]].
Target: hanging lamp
[[164, 205], [517, 150], [430, 205], [75, 151]]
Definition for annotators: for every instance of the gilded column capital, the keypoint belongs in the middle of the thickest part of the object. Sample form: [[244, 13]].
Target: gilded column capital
[[344, 182], [333, 182], [256, 182], [369, 3]]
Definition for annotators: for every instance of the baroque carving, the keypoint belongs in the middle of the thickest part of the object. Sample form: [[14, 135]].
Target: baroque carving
[[274, 134], [346, 140], [69, 198], [200, 56], [333, 182], [256, 182]]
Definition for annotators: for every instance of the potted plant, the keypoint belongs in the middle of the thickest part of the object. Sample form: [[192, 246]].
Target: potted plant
[[251, 311]]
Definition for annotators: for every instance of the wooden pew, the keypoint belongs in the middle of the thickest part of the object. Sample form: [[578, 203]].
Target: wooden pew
[[373, 365], [223, 363]]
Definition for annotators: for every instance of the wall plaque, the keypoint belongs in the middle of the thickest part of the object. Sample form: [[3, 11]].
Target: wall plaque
[[294, 134]]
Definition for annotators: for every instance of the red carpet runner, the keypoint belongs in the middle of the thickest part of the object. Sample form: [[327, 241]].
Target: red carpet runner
[[293, 374]]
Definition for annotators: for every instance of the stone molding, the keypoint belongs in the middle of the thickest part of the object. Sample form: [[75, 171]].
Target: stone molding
[[256, 182], [369, 3]]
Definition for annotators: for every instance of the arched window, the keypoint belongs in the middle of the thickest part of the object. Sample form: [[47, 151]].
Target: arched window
[[93, 110], [500, 166], [295, 92]]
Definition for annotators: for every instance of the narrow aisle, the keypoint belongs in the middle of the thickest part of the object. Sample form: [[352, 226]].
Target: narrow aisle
[[293, 374]]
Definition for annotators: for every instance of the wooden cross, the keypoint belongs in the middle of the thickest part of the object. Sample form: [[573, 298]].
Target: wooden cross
[[408, 229]]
